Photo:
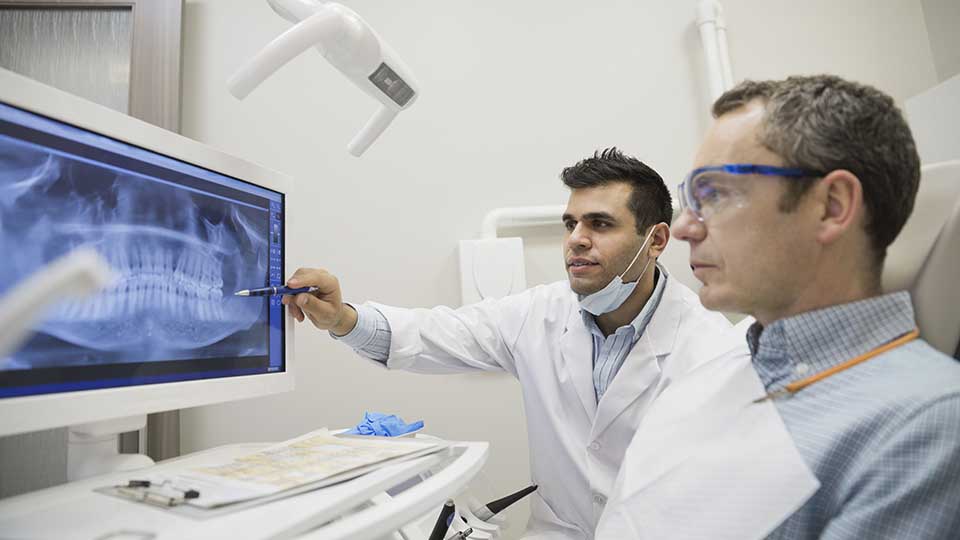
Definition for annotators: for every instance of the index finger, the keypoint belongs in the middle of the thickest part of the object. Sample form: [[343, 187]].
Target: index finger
[[292, 306], [324, 281]]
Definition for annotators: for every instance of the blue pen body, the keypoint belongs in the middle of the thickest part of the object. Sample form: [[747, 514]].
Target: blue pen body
[[273, 291]]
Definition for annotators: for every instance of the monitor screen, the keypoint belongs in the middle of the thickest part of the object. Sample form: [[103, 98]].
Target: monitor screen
[[181, 240]]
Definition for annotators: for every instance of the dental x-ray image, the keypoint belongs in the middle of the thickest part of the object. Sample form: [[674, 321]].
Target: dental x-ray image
[[179, 255]]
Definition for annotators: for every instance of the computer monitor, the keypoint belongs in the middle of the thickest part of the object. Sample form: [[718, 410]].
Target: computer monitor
[[182, 225]]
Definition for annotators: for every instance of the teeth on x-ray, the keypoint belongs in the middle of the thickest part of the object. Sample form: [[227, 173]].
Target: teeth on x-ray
[[150, 281], [179, 255]]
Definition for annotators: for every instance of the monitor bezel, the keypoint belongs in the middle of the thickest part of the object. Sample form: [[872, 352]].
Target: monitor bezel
[[36, 412]]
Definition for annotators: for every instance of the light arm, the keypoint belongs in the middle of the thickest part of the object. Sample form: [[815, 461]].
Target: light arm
[[324, 26], [350, 45], [373, 128]]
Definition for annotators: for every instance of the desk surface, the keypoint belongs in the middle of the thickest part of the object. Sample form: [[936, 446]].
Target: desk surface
[[74, 510]]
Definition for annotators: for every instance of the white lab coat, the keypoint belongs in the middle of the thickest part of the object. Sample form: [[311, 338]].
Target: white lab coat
[[539, 336], [708, 462]]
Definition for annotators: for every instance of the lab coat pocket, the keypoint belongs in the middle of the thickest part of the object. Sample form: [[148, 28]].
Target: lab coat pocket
[[545, 525]]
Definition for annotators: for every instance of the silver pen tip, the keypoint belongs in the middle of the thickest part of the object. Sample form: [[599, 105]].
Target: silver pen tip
[[244, 292]]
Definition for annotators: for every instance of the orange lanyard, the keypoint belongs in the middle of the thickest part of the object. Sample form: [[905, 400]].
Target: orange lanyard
[[797, 386]]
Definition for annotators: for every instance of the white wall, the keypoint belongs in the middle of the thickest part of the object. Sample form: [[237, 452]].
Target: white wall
[[934, 116], [512, 92], [942, 19]]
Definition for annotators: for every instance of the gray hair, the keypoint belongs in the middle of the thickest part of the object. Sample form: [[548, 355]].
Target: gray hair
[[824, 123]]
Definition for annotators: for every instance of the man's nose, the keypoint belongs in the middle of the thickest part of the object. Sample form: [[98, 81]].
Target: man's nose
[[688, 227], [578, 238]]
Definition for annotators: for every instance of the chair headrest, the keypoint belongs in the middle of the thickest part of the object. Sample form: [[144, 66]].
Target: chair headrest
[[925, 257]]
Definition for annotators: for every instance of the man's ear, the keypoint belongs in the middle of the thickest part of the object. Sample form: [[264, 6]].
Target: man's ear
[[659, 239], [842, 196]]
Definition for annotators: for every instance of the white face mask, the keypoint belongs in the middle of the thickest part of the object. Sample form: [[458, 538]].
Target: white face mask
[[616, 292]]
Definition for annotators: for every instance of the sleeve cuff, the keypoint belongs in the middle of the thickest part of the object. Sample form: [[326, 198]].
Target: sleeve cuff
[[371, 336]]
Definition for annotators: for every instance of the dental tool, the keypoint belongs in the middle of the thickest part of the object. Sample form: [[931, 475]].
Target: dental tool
[[272, 291], [351, 45], [492, 508]]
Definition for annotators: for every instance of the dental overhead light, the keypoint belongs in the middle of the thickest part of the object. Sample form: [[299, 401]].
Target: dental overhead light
[[348, 42]]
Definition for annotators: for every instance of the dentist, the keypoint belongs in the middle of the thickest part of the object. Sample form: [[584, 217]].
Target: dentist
[[591, 352]]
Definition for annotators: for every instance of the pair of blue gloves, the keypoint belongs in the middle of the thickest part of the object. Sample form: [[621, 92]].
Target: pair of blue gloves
[[384, 425]]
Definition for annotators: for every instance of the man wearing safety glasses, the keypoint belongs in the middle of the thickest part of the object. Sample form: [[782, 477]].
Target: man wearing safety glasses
[[838, 422]]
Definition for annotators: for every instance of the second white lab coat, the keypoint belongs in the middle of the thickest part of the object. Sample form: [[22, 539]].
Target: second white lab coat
[[576, 444]]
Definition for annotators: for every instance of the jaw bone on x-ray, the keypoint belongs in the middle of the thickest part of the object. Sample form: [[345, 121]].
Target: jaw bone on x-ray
[[179, 254]]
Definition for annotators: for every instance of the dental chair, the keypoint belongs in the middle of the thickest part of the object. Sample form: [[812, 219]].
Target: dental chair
[[925, 258]]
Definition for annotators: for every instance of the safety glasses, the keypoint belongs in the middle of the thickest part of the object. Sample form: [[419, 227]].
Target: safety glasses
[[708, 191]]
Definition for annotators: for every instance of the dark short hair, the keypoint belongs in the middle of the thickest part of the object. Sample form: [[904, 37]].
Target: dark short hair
[[650, 199], [824, 123]]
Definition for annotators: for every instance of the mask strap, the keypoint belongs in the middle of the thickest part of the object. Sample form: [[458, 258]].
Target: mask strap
[[644, 271], [637, 256]]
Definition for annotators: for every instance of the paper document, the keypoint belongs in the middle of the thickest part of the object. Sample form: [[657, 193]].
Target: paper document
[[313, 460]]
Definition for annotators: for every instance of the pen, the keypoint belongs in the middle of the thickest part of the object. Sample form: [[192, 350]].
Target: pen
[[270, 291], [443, 521], [156, 493], [462, 535], [187, 493]]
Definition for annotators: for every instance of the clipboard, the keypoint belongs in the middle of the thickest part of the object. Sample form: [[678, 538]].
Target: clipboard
[[205, 492]]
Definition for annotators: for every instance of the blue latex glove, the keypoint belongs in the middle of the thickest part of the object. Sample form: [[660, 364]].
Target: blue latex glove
[[384, 425]]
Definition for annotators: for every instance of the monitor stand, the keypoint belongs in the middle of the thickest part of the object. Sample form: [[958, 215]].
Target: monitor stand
[[94, 448]]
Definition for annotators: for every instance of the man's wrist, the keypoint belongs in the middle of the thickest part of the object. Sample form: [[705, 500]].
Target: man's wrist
[[347, 322]]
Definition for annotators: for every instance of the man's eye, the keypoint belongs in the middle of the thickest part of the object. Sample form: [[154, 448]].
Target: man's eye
[[569, 225], [706, 193], [601, 225], [709, 194]]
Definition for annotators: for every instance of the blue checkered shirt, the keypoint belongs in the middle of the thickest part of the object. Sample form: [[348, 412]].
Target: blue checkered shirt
[[609, 352], [371, 336], [883, 437]]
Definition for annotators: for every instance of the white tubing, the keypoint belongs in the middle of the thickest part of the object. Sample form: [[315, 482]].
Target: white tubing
[[722, 50], [314, 31], [520, 216], [707, 12], [373, 128]]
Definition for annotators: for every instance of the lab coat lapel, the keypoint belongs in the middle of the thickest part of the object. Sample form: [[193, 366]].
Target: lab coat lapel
[[638, 374], [576, 350], [641, 369], [665, 323]]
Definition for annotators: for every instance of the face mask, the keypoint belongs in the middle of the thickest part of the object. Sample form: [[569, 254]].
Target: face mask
[[616, 292]]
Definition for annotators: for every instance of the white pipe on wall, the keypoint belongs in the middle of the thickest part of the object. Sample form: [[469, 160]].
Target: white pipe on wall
[[493, 267], [713, 38], [520, 216], [724, 53]]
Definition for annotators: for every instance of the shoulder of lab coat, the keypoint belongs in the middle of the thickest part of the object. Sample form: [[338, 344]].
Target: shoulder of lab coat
[[480, 336]]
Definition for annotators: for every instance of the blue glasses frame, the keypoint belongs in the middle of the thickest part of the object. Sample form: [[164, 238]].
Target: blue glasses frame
[[687, 200]]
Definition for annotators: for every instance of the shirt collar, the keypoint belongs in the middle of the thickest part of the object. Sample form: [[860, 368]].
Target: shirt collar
[[640, 322], [811, 342]]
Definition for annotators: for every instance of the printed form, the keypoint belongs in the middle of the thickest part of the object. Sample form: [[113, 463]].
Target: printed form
[[316, 459]]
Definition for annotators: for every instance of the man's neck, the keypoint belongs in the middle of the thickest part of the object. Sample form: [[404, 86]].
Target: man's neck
[[822, 294], [631, 308]]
